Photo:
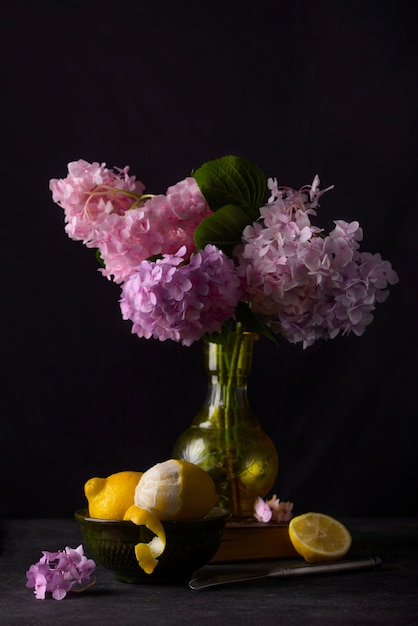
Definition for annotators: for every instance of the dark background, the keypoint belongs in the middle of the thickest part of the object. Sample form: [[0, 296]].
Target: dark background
[[299, 88]]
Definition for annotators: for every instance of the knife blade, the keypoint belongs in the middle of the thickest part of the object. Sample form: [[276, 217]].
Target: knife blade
[[205, 582]]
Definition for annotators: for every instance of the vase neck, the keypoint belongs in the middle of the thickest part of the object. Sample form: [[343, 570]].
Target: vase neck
[[230, 363], [227, 367]]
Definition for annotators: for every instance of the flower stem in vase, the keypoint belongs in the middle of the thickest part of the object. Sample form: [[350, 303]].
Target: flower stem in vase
[[225, 438]]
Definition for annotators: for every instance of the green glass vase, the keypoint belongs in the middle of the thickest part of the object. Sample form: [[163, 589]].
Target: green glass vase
[[225, 438]]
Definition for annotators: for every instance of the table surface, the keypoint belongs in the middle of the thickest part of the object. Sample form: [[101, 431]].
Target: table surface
[[385, 596]]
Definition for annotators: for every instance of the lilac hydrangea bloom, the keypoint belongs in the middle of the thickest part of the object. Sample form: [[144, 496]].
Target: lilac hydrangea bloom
[[58, 572], [305, 285], [171, 299]]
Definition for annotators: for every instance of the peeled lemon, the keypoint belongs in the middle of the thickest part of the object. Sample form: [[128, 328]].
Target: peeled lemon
[[110, 497], [176, 490], [318, 537]]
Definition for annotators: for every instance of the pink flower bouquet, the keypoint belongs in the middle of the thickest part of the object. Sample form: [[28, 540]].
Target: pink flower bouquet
[[225, 248]]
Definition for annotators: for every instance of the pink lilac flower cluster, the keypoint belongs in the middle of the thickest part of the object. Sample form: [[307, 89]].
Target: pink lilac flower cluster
[[107, 211], [304, 284], [58, 572], [273, 510], [170, 299]]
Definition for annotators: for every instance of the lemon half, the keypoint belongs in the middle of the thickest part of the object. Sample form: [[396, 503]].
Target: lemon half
[[318, 537]]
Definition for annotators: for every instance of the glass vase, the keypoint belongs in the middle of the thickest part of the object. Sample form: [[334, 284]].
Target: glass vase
[[225, 438]]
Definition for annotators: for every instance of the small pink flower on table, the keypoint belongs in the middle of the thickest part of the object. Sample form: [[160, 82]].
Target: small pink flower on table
[[262, 511], [281, 511], [272, 510], [58, 572]]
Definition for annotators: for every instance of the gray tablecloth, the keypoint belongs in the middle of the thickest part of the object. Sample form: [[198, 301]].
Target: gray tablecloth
[[379, 597]]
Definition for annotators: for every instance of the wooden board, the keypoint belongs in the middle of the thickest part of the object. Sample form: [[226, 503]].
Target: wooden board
[[254, 541]]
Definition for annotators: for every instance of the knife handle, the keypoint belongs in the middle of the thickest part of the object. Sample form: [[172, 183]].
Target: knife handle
[[372, 562]]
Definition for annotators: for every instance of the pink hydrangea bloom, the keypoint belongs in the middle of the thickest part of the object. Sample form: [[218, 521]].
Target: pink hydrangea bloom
[[105, 210], [90, 193], [125, 241], [162, 225], [185, 208], [305, 285], [178, 300]]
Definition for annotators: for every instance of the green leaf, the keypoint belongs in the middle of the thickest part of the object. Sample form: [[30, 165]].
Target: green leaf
[[253, 322], [232, 180], [222, 229], [228, 328], [155, 257], [99, 258], [247, 320]]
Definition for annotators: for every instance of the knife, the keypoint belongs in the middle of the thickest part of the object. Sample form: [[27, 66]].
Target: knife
[[201, 583]]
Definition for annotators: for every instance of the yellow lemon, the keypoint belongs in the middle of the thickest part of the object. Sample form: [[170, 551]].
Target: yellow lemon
[[176, 490], [110, 497], [318, 537], [147, 553]]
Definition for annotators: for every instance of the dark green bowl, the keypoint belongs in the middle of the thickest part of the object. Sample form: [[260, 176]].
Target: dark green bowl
[[190, 545]]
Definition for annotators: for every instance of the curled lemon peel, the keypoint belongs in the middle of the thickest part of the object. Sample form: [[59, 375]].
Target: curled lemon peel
[[147, 553]]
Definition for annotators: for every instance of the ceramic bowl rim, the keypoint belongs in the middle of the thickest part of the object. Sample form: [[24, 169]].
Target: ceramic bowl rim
[[216, 514]]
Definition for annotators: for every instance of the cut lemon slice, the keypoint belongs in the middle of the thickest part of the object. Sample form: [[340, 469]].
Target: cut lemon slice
[[147, 553], [318, 537]]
